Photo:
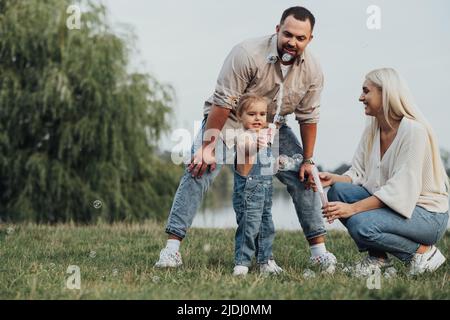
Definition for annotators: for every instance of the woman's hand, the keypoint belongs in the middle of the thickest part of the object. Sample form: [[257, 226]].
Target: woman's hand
[[338, 210], [326, 179]]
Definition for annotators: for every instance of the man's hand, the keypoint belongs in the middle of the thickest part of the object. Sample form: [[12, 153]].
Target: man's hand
[[204, 157], [306, 168], [308, 132]]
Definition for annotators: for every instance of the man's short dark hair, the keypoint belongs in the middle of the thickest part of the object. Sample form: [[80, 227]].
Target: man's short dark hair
[[299, 13]]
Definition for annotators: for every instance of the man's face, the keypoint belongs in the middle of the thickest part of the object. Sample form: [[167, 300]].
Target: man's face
[[293, 36]]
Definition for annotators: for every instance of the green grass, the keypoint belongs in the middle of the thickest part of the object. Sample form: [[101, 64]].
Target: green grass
[[34, 260]]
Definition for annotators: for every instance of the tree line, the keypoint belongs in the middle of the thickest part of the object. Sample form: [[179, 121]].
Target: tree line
[[78, 129]]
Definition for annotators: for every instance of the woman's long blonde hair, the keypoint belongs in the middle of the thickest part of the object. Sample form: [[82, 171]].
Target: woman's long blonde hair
[[398, 103]]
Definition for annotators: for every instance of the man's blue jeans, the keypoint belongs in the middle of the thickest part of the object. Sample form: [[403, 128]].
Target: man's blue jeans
[[384, 230], [190, 191]]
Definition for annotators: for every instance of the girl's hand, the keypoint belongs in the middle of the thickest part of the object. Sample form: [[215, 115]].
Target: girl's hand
[[263, 138], [247, 143], [338, 210]]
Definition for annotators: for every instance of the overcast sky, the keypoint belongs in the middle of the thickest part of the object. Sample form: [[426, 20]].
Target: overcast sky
[[184, 43]]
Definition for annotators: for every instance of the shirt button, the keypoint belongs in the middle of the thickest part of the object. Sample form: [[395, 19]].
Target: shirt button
[[249, 178]]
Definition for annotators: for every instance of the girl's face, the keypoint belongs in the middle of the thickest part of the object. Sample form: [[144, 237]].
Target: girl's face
[[372, 99], [255, 117]]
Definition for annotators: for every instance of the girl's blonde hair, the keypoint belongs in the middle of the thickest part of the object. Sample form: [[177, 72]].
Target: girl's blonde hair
[[398, 103], [247, 100]]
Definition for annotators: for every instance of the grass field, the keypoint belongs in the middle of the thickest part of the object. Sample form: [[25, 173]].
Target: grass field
[[116, 262]]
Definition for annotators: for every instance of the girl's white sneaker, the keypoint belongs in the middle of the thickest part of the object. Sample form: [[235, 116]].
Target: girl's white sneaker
[[240, 270], [270, 267]]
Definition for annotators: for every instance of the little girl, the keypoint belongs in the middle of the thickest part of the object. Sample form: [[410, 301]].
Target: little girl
[[252, 195]]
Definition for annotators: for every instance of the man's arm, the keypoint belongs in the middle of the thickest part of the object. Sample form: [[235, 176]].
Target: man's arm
[[205, 155], [308, 132]]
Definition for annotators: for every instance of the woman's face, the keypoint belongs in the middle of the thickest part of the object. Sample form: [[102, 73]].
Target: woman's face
[[372, 99]]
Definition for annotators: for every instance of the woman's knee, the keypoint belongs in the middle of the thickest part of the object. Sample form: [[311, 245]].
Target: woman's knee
[[337, 191], [347, 192], [362, 229]]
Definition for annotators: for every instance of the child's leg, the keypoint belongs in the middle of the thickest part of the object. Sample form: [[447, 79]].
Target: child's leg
[[248, 203], [266, 234]]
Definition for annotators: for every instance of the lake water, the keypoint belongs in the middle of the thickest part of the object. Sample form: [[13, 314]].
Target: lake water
[[283, 212]]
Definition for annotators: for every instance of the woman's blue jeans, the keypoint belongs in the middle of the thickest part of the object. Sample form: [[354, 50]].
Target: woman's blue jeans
[[384, 230]]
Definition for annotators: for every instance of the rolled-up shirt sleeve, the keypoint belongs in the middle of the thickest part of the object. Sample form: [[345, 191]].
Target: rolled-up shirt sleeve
[[308, 110], [401, 192], [357, 171], [234, 77]]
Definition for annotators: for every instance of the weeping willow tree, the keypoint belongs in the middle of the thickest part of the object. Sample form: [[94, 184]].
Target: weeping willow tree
[[77, 129]]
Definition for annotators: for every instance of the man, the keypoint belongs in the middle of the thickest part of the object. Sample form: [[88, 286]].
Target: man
[[279, 68]]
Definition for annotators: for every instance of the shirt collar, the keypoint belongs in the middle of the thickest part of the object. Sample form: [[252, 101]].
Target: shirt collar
[[273, 57]]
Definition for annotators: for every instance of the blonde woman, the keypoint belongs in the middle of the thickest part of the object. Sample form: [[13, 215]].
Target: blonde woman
[[394, 198]]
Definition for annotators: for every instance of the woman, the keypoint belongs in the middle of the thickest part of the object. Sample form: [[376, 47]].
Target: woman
[[394, 198]]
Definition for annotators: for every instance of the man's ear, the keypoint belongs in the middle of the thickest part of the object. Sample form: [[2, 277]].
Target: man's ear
[[277, 28]]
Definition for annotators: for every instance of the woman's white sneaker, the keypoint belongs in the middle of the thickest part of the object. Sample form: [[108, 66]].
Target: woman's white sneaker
[[428, 261], [369, 265]]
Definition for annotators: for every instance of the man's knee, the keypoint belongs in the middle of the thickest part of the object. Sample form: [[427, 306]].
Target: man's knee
[[205, 180]]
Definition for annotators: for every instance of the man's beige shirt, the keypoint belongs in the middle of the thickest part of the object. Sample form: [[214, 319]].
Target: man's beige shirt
[[253, 66]]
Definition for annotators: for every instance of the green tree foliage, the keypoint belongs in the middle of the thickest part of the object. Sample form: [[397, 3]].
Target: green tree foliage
[[75, 124]]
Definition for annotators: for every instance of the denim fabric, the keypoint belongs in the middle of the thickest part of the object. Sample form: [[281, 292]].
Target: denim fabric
[[190, 191], [384, 230], [306, 202], [252, 202]]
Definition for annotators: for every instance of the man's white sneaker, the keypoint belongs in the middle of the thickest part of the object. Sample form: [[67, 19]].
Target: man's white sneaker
[[168, 259], [326, 262], [368, 265], [428, 261], [240, 270], [270, 267]]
